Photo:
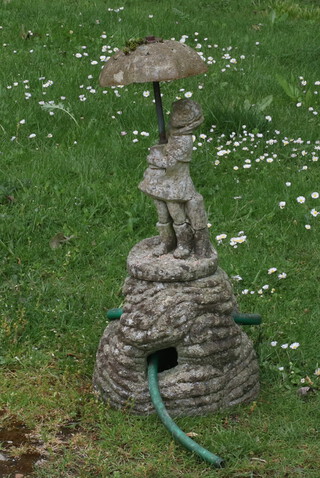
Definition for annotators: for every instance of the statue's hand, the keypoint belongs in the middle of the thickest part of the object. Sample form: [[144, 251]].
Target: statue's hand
[[157, 157]]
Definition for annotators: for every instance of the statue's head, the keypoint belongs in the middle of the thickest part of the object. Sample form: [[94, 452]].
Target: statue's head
[[186, 116]]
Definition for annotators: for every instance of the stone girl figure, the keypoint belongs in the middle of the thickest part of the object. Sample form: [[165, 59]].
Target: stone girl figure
[[182, 221]]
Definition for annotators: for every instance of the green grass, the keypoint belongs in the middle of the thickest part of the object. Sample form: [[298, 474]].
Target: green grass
[[78, 176]]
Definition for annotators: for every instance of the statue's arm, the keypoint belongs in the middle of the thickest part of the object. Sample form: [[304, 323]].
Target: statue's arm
[[158, 162], [157, 157]]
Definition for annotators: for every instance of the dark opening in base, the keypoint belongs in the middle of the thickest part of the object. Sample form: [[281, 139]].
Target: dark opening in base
[[168, 358]]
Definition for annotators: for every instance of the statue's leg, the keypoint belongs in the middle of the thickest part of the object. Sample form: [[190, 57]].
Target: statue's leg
[[198, 219], [166, 232], [183, 230]]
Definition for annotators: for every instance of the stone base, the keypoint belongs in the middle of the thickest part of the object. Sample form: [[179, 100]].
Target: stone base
[[208, 362], [142, 264]]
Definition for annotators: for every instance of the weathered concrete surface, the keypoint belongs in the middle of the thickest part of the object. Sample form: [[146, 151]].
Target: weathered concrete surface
[[182, 219], [216, 364], [158, 61], [142, 264]]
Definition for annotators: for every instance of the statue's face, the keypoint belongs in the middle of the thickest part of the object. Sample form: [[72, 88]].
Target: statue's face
[[186, 127], [189, 128], [186, 116]]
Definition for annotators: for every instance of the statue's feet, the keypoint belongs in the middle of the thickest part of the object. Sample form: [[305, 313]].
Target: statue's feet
[[184, 236], [167, 239], [203, 246], [161, 249], [182, 252]]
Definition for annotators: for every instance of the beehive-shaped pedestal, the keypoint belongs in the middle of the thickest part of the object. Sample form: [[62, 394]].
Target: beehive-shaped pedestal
[[182, 308]]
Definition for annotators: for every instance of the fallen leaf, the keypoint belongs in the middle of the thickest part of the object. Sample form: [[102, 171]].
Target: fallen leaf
[[59, 239], [73, 356], [308, 380], [304, 391], [258, 459], [192, 434]]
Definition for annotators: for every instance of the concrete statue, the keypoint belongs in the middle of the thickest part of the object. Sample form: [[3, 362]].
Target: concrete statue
[[182, 221], [178, 302]]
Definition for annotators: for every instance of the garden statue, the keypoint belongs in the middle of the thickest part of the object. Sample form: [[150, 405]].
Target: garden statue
[[182, 221], [178, 303]]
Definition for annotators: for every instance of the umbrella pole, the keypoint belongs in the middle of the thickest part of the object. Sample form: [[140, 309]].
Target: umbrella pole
[[159, 109]]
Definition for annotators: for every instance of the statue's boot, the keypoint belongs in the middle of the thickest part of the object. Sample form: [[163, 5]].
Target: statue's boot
[[202, 244], [184, 234], [167, 239]]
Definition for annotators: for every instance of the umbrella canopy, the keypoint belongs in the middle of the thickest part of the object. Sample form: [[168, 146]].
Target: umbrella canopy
[[152, 60]]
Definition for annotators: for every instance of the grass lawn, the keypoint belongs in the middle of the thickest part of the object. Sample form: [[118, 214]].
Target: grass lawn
[[71, 157]]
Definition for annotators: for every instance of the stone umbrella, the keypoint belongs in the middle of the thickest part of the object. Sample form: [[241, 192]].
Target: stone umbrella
[[152, 60]]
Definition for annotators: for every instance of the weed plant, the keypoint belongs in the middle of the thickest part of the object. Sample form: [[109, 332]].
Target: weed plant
[[71, 156]]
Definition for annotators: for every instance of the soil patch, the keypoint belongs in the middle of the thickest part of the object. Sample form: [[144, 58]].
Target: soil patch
[[18, 450]]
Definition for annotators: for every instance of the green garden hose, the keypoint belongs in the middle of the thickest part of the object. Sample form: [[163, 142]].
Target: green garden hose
[[114, 314], [241, 319], [173, 428], [246, 319]]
